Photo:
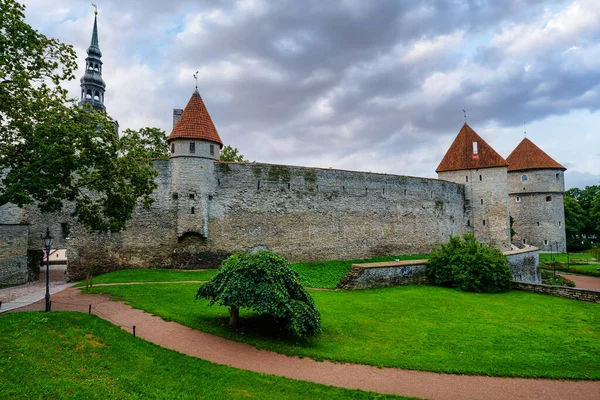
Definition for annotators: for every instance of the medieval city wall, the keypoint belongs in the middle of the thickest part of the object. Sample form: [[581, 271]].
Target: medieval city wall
[[304, 214]]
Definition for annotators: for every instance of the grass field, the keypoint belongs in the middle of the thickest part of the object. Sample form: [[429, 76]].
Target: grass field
[[325, 274], [416, 327], [563, 258], [79, 356]]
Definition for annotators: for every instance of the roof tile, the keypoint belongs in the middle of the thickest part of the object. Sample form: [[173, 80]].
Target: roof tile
[[195, 123], [461, 156], [528, 156]]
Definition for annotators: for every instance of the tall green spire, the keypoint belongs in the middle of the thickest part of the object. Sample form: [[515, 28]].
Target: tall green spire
[[92, 84]]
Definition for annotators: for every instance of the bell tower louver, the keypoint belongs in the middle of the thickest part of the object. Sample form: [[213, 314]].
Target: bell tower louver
[[92, 84]]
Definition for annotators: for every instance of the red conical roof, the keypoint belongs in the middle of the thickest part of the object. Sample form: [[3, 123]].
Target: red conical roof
[[195, 123], [528, 156], [461, 154]]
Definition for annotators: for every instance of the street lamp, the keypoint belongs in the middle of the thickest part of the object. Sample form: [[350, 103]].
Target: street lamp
[[47, 245]]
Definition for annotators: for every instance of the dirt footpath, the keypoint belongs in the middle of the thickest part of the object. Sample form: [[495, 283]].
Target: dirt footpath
[[383, 380], [583, 282]]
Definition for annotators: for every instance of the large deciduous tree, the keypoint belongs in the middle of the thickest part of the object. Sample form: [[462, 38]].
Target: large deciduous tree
[[145, 143], [53, 153], [231, 154]]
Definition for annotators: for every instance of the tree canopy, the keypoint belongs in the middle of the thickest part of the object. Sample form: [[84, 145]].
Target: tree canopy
[[231, 154], [582, 216], [266, 284], [145, 143], [52, 152]]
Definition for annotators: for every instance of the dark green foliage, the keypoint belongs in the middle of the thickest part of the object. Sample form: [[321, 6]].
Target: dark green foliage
[[512, 231], [264, 283], [548, 278], [145, 143], [468, 265]]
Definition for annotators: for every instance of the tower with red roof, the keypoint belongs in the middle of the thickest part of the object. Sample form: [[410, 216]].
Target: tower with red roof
[[536, 187], [471, 161], [194, 145]]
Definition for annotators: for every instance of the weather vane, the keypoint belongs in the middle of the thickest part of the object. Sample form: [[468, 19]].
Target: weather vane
[[196, 78], [524, 130], [465, 113], [95, 8]]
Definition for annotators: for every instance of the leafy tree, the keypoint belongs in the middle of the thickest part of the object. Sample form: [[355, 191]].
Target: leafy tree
[[145, 143], [586, 198], [231, 154], [468, 265], [575, 220], [265, 283], [52, 152]]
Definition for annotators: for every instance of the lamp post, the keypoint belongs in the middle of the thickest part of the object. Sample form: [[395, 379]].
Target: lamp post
[[47, 245]]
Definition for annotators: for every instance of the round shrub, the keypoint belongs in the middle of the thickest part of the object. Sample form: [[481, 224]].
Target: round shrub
[[468, 265], [264, 283]]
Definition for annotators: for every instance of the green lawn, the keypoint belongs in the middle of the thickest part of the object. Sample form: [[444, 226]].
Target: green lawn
[[562, 257], [76, 356], [324, 274], [415, 327]]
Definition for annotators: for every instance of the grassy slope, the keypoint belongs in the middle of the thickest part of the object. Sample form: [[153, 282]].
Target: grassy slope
[[325, 274], [71, 355], [416, 327]]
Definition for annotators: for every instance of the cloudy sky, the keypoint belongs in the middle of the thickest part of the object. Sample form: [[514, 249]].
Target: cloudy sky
[[354, 84]]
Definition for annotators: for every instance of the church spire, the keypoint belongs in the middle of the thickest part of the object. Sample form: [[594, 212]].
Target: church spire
[[92, 84]]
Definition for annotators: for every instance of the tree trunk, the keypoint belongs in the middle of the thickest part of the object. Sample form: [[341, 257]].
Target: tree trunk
[[234, 316]]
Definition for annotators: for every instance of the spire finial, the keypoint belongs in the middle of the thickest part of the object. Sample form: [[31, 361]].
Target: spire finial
[[95, 9], [196, 78], [465, 113], [524, 130]]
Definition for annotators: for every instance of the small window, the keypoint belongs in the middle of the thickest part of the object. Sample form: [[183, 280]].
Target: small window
[[557, 176], [548, 198], [480, 178], [175, 196], [484, 222], [468, 222], [523, 241], [559, 223], [474, 148], [66, 229], [524, 178], [481, 201], [538, 223], [467, 178], [192, 148], [545, 241], [191, 196], [172, 148], [212, 149], [193, 211], [518, 199]]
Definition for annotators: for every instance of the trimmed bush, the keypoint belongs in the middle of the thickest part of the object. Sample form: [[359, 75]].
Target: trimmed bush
[[465, 264], [548, 278], [264, 283]]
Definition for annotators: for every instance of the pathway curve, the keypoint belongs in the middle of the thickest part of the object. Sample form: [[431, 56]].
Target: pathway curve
[[583, 282], [429, 385]]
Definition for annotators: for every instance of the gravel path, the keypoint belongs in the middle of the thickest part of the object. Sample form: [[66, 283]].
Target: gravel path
[[583, 282], [58, 278], [383, 380]]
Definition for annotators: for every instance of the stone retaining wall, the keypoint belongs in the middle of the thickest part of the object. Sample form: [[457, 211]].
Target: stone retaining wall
[[13, 254], [559, 291], [385, 274]]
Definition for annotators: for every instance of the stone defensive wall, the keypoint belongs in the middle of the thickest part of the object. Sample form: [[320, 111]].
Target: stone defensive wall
[[304, 214]]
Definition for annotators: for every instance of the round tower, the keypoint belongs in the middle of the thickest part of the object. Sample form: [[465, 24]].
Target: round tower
[[536, 187], [194, 145], [475, 164]]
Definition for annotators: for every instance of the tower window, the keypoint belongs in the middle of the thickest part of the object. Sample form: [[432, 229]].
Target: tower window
[[172, 148], [467, 178], [191, 196], [90, 67], [518, 199], [474, 148], [523, 241], [97, 95], [484, 222], [96, 68], [545, 241], [468, 222], [212, 149], [538, 223], [480, 178], [559, 223], [192, 147], [193, 211], [548, 198], [88, 94], [481, 201], [524, 178], [557, 176]]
